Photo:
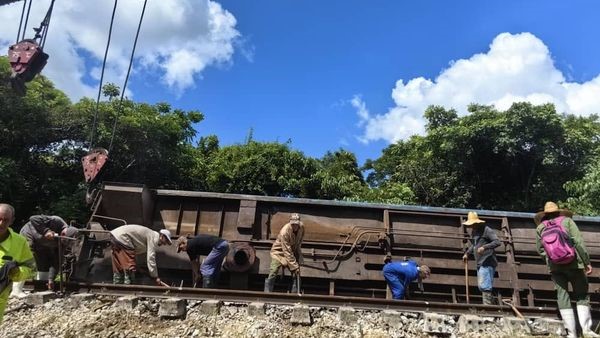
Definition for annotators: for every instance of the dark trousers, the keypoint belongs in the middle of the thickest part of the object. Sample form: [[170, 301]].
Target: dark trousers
[[46, 259]]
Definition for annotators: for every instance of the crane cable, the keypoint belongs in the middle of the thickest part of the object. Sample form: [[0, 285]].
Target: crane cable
[[42, 31], [127, 77], [21, 21], [93, 131], [45, 25], [26, 18]]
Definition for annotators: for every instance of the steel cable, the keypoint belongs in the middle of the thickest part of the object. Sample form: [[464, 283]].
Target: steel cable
[[93, 131], [137, 34], [21, 21]]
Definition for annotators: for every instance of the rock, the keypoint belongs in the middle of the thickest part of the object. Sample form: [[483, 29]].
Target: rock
[[97, 318]]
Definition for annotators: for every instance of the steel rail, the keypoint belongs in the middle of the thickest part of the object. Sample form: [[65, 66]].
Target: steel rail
[[239, 296]]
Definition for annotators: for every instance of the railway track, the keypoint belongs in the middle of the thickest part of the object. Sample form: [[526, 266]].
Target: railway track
[[240, 296]]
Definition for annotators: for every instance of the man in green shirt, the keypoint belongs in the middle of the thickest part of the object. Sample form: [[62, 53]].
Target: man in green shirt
[[564, 272]]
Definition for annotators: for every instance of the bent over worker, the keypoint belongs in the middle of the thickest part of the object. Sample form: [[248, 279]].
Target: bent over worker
[[399, 275], [574, 269], [484, 242], [130, 240], [214, 248], [16, 259], [41, 232], [286, 253]]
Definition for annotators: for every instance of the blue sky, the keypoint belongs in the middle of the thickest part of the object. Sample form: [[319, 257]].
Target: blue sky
[[295, 66]]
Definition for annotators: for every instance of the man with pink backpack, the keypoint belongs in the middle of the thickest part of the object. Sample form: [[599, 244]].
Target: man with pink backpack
[[561, 245]]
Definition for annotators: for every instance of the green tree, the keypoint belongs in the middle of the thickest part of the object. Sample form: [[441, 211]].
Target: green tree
[[584, 194], [111, 91], [29, 141], [512, 160], [43, 137], [268, 168], [151, 144], [338, 176]]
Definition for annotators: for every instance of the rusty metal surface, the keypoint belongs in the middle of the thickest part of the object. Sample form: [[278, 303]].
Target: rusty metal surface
[[26, 59], [345, 242], [93, 162]]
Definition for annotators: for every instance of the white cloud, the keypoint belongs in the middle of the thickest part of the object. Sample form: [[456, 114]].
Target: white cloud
[[178, 40], [517, 67], [361, 109]]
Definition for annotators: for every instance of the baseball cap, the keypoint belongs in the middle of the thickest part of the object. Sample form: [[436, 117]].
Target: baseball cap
[[295, 218], [167, 234]]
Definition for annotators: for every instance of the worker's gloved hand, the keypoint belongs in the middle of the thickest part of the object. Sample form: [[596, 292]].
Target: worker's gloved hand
[[296, 272], [49, 234], [465, 258], [158, 281], [13, 272], [480, 250]]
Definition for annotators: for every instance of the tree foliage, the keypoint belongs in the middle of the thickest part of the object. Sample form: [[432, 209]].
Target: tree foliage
[[584, 194], [268, 168], [509, 160]]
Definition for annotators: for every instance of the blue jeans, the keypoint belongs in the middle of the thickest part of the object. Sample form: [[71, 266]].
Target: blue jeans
[[395, 284], [212, 263], [485, 278]]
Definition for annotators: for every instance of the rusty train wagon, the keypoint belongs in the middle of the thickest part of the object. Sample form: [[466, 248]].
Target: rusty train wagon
[[344, 244]]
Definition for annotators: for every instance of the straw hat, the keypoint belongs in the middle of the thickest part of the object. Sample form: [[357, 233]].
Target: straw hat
[[472, 218], [551, 207]]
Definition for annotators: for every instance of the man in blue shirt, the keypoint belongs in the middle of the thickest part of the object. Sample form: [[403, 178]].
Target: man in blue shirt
[[399, 274]]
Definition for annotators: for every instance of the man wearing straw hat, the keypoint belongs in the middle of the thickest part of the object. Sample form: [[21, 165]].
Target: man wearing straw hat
[[561, 245], [484, 242]]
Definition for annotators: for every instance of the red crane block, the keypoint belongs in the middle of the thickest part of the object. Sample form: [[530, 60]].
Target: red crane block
[[93, 162]]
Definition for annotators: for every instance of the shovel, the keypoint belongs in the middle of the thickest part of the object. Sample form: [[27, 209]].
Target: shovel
[[298, 283]]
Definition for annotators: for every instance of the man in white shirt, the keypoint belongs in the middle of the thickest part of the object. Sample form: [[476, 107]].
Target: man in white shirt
[[130, 240]]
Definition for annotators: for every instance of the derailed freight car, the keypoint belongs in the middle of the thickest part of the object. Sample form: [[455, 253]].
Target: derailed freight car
[[344, 244]]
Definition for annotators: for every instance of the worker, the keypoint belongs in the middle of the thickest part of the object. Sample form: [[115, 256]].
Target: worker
[[16, 259], [286, 253], [214, 248], [484, 243], [41, 232], [399, 275], [561, 246], [130, 240]]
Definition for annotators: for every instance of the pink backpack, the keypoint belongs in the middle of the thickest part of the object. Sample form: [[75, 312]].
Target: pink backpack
[[557, 242]]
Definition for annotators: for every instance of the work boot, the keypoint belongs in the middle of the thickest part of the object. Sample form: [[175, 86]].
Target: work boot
[[269, 284], [117, 278], [487, 298], [568, 317], [17, 290], [129, 277], [585, 320]]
